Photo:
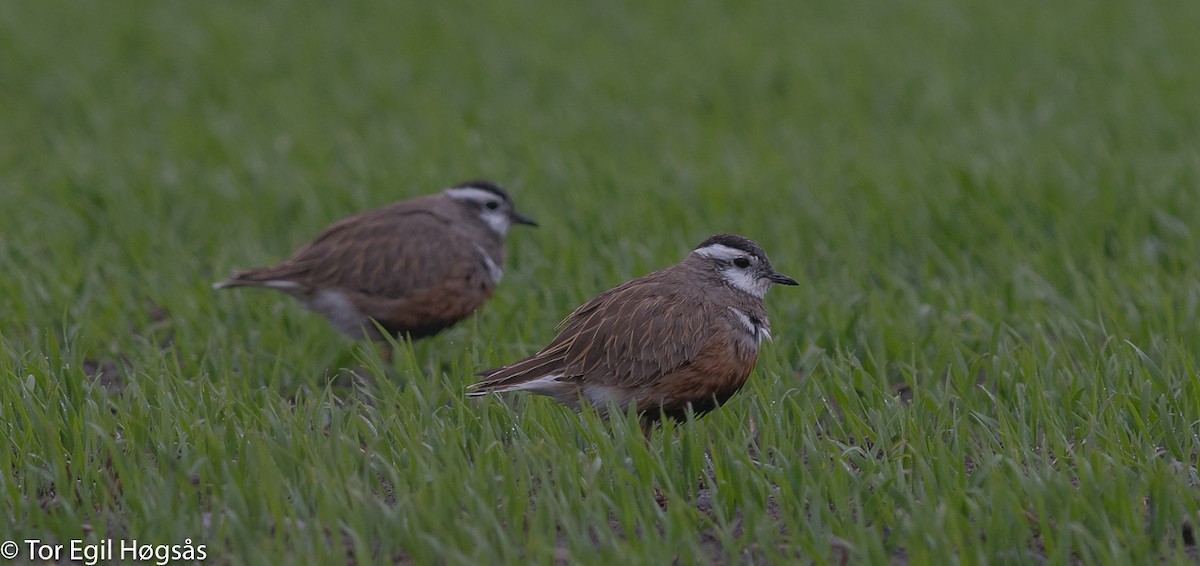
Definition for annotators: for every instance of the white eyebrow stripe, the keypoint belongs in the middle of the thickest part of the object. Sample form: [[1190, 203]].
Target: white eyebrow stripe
[[720, 251], [472, 194]]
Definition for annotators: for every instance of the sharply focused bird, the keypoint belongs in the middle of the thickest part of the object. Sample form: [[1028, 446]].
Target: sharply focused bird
[[415, 267], [684, 337]]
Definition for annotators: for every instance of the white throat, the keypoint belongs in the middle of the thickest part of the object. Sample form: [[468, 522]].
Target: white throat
[[746, 281], [497, 221]]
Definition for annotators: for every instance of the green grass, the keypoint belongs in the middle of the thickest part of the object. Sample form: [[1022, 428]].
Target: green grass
[[991, 208]]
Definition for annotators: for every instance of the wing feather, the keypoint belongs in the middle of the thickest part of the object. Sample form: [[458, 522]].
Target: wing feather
[[627, 336], [371, 254]]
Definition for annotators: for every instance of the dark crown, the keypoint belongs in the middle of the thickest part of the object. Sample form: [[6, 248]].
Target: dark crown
[[484, 185], [734, 241]]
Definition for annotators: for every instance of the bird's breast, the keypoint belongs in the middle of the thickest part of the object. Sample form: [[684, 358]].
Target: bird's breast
[[751, 328], [491, 265]]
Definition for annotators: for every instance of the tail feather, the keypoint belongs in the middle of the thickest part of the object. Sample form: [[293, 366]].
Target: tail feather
[[536, 374], [545, 385], [256, 278], [550, 385]]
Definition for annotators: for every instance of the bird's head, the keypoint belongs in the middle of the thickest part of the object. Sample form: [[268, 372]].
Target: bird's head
[[491, 203], [741, 263]]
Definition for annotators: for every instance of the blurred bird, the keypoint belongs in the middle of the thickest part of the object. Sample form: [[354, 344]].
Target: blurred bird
[[416, 267], [684, 337]]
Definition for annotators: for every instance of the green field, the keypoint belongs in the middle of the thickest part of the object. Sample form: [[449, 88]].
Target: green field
[[991, 207]]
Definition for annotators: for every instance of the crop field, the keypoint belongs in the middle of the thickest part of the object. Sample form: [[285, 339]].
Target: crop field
[[991, 208]]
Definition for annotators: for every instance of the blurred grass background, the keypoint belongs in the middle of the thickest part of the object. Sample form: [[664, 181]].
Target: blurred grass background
[[991, 208]]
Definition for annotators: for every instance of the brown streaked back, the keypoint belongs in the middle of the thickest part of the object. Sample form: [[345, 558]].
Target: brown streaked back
[[389, 252]]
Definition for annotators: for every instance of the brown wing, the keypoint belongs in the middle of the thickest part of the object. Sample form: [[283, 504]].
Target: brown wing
[[390, 252], [628, 336]]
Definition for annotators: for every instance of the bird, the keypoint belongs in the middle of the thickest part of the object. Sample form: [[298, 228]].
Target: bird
[[414, 267], [681, 339]]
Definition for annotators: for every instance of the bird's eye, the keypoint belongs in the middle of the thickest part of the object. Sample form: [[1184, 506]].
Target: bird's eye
[[492, 205], [741, 263]]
